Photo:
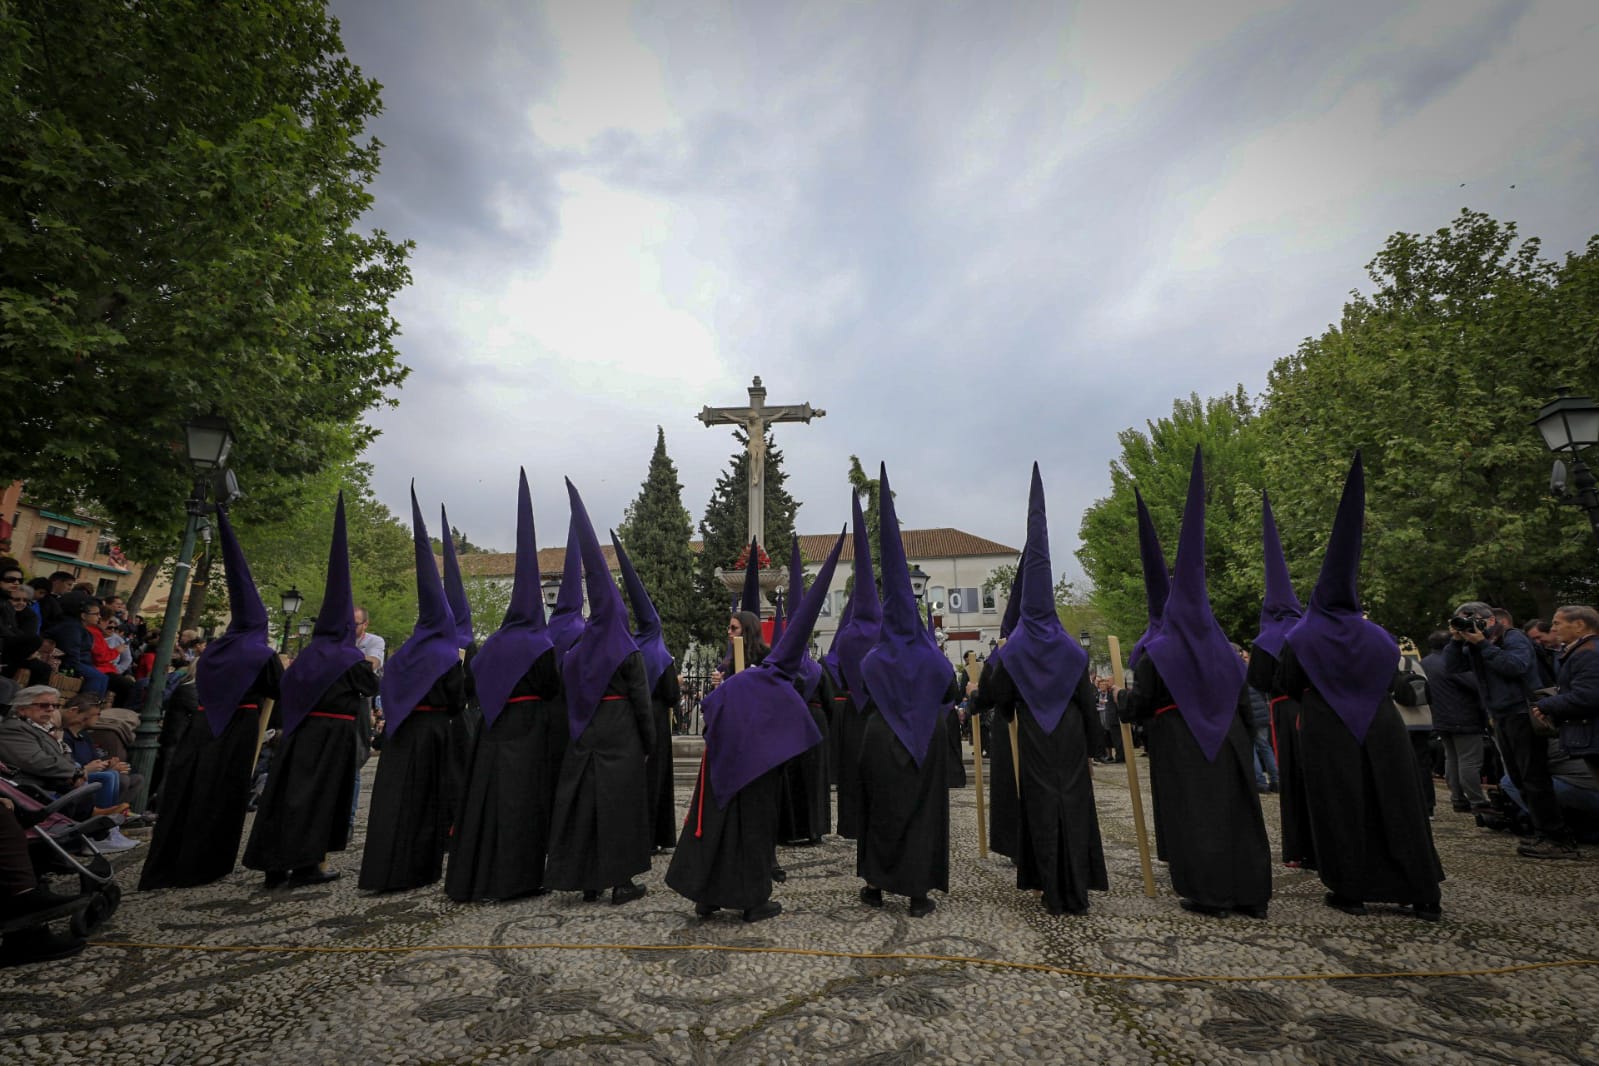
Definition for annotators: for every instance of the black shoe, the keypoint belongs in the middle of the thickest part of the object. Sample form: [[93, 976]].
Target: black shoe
[[312, 875], [1062, 911], [705, 910], [1252, 910], [1548, 849], [1206, 909], [1340, 903], [626, 893], [872, 897], [770, 909], [38, 945], [921, 907], [275, 879], [590, 895], [1461, 808], [779, 874], [1428, 912]]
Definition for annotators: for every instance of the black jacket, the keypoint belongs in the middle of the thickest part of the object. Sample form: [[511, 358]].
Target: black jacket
[[1456, 705], [1578, 682]]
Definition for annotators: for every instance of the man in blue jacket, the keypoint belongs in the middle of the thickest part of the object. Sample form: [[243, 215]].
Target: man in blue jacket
[[1503, 661]]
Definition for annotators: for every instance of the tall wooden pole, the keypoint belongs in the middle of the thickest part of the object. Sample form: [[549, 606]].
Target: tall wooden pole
[[1132, 776], [977, 780]]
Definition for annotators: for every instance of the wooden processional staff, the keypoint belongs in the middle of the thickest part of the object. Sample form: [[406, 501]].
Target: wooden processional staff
[[1120, 678]]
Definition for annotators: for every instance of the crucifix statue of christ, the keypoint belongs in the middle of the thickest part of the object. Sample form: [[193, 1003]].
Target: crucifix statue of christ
[[753, 420]]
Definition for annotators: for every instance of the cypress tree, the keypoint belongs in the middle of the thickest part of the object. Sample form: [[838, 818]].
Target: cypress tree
[[725, 532], [655, 530]]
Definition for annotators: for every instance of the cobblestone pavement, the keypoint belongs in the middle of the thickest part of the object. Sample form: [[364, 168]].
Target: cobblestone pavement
[[471, 1004]]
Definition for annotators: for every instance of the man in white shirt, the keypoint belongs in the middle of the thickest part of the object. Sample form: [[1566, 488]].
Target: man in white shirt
[[371, 645]]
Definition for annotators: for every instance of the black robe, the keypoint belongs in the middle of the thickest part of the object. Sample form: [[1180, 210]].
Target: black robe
[[1004, 810], [1060, 850], [600, 831], [955, 768], [805, 808], [904, 829], [502, 824], [724, 856], [1372, 838], [197, 838], [1209, 812], [305, 810], [658, 764], [413, 795], [851, 725], [1298, 843]]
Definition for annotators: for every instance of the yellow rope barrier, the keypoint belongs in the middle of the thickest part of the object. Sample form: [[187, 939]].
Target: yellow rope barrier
[[965, 960]]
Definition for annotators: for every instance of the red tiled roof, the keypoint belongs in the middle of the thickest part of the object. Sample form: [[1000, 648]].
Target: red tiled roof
[[942, 543]]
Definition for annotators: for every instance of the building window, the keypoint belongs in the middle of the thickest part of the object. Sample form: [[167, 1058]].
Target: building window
[[102, 546], [938, 596], [105, 587], [990, 604]]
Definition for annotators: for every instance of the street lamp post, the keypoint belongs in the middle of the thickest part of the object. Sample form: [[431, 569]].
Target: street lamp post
[[551, 591], [209, 440], [1569, 424], [292, 602], [302, 631], [1087, 641]]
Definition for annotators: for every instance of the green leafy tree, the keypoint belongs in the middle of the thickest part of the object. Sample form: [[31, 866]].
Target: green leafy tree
[[724, 532], [1158, 462], [179, 198], [1435, 375], [656, 530]]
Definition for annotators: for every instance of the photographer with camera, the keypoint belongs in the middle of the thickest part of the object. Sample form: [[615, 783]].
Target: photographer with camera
[[1503, 661]]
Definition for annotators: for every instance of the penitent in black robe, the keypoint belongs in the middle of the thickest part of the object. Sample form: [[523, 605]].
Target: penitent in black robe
[[1209, 812], [904, 830], [1060, 850], [955, 767], [851, 724], [658, 764], [805, 808], [305, 809], [502, 824], [414, 793], [1003, 807], [600, 832], [207, 784], [724, 856], [1373, 842], [1293, 804]]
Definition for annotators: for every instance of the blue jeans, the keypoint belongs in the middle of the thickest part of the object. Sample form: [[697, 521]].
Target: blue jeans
[[1265, 758], [110, 787], [1581, 801]]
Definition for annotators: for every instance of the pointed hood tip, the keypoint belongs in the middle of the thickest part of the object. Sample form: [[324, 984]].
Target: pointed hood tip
[[523, 636], [331, 650], [232, 662], [648, 636], [430, 651], [605, 642]]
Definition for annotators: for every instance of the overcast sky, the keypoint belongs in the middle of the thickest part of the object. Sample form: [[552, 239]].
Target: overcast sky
[[976, 234]]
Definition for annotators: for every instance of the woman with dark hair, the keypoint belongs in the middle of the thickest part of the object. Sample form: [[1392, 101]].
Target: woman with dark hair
[[744, 626]]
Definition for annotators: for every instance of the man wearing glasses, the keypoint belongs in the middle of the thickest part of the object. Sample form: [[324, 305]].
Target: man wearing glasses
[[27, 747], [19, 625]]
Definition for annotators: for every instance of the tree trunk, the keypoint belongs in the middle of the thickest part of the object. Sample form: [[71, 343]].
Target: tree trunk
[[141, 588], [197, 590]]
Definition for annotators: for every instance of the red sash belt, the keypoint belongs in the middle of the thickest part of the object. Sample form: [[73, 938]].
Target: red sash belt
[[1168, 707], [840, 699], [428, 707], [608, 699], [239, 707], [336, 717], [524, 699]]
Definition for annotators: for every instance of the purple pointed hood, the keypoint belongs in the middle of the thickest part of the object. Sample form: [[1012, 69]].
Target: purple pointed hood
[[657, 657], [755, 720], [430, 651], [455, 588], [1013, 609], [1349, 659], [830, 661], [605, 642], [859, 636], [810, 670], [905, 674], [1281, 609], [510, 651], [566, 621], [1195, 659], [751, 599], [231, 663], [332, 649], [1157, 578], [1043, 660]]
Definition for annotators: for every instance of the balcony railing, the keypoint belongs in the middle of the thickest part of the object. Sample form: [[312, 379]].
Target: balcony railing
[[56, 543]]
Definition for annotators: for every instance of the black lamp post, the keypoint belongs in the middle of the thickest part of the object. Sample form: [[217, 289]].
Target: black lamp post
[[302, 631], [209, 440], [292, 602], [1569, 424], [918, 583], [551, 591]]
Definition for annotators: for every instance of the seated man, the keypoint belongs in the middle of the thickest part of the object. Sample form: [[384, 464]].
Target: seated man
[[78, 716], [1576, 790], [36, 758]]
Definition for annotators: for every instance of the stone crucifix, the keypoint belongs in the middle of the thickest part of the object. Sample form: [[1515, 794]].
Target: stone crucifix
[[753, 420]]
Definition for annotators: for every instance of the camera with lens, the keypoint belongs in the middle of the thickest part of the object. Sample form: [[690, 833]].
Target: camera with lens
[[1462, 624]]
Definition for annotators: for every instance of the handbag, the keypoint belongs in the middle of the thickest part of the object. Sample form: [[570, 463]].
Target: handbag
[[1410, 695]]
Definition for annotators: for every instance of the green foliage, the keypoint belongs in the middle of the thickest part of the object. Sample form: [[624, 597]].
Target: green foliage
[[1158, 462], [724, 533], [656, 530], [1435, 376], [178, 204]]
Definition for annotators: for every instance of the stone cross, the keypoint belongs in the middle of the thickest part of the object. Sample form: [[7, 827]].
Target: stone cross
[[754, 419]]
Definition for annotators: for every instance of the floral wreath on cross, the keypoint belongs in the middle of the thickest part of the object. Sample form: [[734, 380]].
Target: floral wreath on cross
[[763, 560]]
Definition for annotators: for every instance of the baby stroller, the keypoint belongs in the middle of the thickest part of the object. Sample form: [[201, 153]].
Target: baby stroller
[[58, 844]]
